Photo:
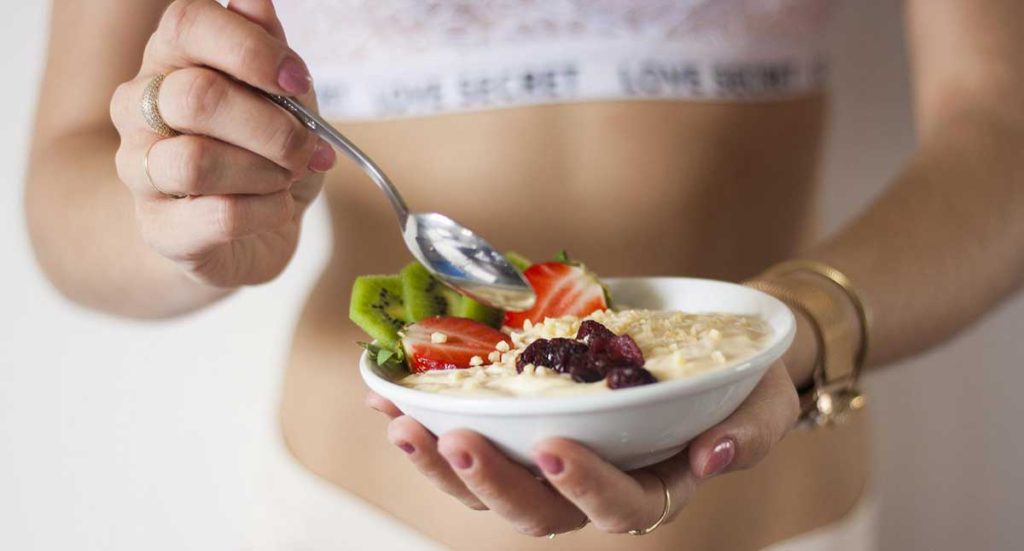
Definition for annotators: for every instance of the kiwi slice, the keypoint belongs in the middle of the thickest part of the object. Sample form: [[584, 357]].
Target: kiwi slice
[[519, 261], [426, 296], [469, 308], [377, 308]]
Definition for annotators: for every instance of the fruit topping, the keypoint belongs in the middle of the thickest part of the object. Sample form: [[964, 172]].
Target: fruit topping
[[426, 296], [587, 368], [562, 290], [550, 353], [595, 354], [517, 260], [466, 342], [621, 350], [377, 308], [624, 377], [469, 308], [593, 329]]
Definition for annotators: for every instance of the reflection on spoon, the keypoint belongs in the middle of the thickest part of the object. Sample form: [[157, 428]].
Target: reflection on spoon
[[467, 262]]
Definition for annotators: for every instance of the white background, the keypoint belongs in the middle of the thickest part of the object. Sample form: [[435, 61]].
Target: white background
[[124, 435]]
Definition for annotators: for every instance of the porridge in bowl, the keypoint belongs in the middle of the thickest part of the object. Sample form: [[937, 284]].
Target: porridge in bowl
[[600, 352]]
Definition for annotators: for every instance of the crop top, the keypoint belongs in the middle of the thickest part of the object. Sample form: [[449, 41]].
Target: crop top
[[378, 59]]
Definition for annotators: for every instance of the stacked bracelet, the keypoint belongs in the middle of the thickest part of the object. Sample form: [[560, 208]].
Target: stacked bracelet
[[833, 394]]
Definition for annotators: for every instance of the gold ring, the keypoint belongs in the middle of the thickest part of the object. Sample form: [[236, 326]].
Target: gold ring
[[145, 166], [664, 512], [586, 521], [151, 109]]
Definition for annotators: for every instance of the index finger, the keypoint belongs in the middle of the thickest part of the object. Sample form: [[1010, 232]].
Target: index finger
[[202, 32]]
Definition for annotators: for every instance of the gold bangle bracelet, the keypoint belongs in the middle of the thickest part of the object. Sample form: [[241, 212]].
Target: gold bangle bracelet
[[843, 282], [834, 394]]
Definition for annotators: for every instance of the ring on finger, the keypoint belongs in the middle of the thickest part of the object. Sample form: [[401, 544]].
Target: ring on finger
[[664, 512], [145, 166], [151, 108], [583, 525]]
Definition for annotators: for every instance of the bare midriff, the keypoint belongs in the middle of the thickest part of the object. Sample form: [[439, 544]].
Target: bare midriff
[[718, 190]]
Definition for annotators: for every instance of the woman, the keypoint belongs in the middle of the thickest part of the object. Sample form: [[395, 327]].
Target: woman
[[212, 183]]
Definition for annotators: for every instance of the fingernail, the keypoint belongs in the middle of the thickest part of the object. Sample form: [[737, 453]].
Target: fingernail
[[293, 76], [323, 157], [549, 463], [406, 447], [721, 456], [459, 460]]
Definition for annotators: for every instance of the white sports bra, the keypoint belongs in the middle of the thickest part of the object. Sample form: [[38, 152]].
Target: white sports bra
[[374, 59]]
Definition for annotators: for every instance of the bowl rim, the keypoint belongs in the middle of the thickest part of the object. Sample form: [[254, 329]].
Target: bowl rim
[[544, 405]]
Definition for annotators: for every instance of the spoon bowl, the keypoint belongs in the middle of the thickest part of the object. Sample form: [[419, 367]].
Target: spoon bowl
[[466, 262]]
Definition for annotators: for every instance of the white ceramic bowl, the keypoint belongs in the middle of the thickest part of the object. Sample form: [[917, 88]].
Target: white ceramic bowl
[[632, 427]]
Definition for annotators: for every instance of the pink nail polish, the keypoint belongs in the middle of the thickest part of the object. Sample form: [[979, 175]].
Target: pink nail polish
[[293, 76], [549, 463], [406, 447], [323, 157], [721, 456], [460, 460]]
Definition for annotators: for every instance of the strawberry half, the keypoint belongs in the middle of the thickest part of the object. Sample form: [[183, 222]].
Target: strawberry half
[[562, 290], [463, 339]]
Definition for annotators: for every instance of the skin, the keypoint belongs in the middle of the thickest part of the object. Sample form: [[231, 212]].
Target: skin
[[951, 223]]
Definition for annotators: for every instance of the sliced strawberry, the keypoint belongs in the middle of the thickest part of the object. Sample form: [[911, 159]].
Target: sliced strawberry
[[463, 339], [562, 290]]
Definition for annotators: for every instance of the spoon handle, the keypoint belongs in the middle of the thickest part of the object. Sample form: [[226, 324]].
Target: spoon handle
[[339, 141]]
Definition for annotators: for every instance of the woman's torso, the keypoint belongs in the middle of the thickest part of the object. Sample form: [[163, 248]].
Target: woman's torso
[[711, 189]]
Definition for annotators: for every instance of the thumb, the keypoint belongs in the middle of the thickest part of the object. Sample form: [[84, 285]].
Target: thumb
[[746, 437], [262, 13]]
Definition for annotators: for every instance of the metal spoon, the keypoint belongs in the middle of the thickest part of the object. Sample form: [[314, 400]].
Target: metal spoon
[[454, 254]]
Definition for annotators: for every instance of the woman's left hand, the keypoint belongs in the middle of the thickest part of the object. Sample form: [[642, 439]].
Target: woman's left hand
[[579, 485]]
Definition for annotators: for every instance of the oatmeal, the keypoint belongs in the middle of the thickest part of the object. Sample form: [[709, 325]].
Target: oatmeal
[[675, 345]]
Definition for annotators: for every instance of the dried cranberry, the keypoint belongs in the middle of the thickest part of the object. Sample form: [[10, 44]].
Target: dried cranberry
[[624, 377], [598, 344], [624, 351], [587, 367], [583, 373], [553, 353], [601, 363], [593, 329], [595, 354], [621, 351]]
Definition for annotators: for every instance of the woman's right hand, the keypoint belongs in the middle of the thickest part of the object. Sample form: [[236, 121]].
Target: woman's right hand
[[248, 168]]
